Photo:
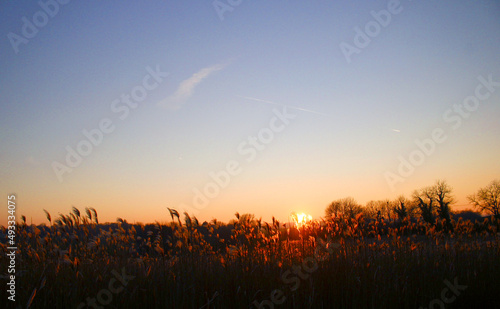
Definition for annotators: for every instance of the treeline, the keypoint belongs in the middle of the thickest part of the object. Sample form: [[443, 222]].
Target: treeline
[[427, 203]]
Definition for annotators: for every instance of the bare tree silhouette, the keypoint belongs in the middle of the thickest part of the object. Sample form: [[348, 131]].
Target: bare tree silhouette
[[346, 206], [487, 199]]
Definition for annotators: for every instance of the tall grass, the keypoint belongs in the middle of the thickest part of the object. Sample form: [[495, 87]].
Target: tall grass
[[214, 265]]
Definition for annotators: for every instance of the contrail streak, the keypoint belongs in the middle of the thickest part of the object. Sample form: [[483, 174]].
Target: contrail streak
[[279, 104]]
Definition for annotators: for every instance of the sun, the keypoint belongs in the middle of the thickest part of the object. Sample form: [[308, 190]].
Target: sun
[[301, 219]]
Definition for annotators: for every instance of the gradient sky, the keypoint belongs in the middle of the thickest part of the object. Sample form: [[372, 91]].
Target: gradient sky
[[226, 80]]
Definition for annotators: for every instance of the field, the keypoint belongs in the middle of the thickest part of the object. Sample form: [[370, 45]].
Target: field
[[75, 262]]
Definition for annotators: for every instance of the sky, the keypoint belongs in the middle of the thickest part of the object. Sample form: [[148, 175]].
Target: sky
[[262, 107]]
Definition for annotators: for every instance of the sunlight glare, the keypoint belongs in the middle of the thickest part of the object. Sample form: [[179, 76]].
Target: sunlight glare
[[301, 219]]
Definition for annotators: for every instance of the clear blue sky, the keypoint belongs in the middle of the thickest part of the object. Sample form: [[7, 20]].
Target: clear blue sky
[[353, 120]]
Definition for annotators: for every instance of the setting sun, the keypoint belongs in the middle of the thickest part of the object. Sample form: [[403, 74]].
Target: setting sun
[[301, 218]]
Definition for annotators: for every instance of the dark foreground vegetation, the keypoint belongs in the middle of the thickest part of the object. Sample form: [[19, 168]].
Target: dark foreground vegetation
[[339, 262]]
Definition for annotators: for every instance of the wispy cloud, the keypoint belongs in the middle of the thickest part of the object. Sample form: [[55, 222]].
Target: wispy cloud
[[396, 130], [289, 106], [186, 87]]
